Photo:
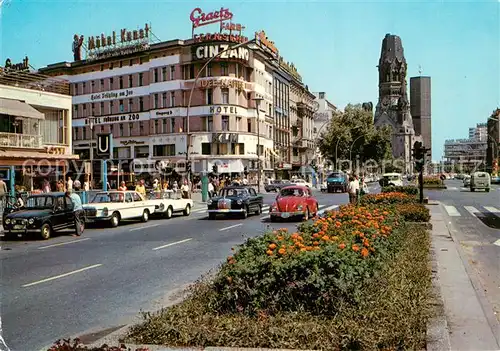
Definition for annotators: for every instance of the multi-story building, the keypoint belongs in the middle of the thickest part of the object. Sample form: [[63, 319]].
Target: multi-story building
[[140, 92], [35, 127], [467, 154], [479, 132], [420, 108], [322, 117], [493, 141]]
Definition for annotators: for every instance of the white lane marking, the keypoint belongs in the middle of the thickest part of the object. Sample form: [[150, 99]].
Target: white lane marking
[[329, 208], [472, 210], [492, 209], [230, 227], [452, 211], [172, 244], [497, 243], [62, 275], [65, 243], [199, 210], [146, 227], [452, 188]]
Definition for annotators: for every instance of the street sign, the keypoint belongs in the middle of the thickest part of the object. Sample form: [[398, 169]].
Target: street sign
[[105, 145]]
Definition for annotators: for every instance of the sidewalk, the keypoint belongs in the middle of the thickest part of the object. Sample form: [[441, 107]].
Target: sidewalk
[[467, 323]]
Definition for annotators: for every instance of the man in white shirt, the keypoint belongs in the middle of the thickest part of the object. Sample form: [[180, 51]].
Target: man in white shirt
[[353, 189]]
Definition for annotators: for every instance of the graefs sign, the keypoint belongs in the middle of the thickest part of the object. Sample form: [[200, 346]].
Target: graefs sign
[[200, 18], [209, 51]]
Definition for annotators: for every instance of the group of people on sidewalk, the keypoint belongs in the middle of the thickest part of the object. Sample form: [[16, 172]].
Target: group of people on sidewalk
[[356, 188]]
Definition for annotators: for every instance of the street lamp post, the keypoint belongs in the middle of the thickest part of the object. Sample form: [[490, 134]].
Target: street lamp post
[[91, 125], [337, 146], [257, 106], [188, 139], [352, 144]]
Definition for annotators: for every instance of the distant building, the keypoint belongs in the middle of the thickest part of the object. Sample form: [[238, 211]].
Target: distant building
[[493, 141], [468, 154], [322, 117], [420, 108], [479, 132], [393, 107]]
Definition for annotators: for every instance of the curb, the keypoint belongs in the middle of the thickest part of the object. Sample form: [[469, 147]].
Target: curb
[[438, 334]]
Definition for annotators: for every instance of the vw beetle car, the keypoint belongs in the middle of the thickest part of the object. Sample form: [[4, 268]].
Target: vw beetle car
[[292, 202], [42, 214], [115, 206], [235, 199]]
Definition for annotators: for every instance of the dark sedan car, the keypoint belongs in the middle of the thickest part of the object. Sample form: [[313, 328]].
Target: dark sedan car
[[43, 214], [235, 199], [276, 185]]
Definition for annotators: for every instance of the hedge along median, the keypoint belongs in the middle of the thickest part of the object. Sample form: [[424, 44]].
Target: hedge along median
[[357, 278]]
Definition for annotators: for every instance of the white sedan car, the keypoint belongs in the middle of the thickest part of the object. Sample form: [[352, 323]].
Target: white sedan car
[[300, 182], [115, 206], [169, 202]]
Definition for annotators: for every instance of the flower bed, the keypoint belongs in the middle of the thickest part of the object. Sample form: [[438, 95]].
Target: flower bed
[[408, 189], [432, 181], [414, 212], [75, 345], [389, 198], [357, 278]]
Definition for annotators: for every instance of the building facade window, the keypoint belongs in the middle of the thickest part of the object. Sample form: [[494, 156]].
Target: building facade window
[[140, 79], [164, 100], [111, 82], [172, 125], [225, 123], [172, 72], [164, 128], [130, 105], [172, 99], [121, 130], [122, 107], [111, 106], [92, 86], [155, 103], [102, 84], [164, 73], [225, 95], [209, 70], [130, 129], [141, 104], [92, 109], [157, 127], [130, 81], [156, 80], [121, 82], [75, 111], [206, 148], [224, 69], [141, 128], [209, 97]]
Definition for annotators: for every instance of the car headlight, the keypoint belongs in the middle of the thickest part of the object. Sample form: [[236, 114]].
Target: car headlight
[[209, 202], [31, 220], [239, 202], [162, 206], [105, 211], [273, 208], [299, 208], [7, 221]]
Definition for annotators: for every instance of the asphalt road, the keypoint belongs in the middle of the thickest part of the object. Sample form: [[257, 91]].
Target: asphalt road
[[475, 218], [68, 286]]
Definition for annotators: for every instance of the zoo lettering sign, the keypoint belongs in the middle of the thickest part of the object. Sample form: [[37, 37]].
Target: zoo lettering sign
[[210, 51]]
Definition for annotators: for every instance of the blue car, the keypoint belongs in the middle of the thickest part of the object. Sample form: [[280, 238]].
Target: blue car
[[337, 181]]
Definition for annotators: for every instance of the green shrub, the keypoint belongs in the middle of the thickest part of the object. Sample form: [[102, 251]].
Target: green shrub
[[432, 181], [414, 212], [408, 189], [75, 345], [388, 198]]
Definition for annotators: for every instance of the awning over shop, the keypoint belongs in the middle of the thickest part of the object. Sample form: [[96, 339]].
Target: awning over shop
[[19, 109]]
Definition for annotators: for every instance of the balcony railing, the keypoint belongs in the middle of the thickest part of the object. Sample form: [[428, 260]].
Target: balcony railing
[[24, 141]]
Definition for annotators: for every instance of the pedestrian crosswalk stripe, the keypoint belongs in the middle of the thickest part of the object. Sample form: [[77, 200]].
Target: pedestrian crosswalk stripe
[[453, 188], [492, 209], [452, 211], [472, 210]]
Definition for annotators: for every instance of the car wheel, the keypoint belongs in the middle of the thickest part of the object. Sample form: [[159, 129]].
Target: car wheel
[[487, 190], [168, 212], [244, 214], [259, 210], [115, 219], [211, 216], [472, 189], [273, 218], [145, 216], [45, 231], [187, 210]]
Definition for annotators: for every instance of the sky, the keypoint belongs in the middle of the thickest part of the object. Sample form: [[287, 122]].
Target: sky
[[335, 45]]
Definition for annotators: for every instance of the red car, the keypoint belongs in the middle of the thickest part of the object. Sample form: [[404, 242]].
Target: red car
[[292, 202]]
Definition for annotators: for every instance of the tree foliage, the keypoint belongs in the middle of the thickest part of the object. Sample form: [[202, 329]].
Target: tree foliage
[[353, 134]]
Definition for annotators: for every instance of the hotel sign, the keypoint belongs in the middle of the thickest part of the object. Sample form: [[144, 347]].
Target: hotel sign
[[210, 51], [200, 18], [223, 83], [123, 118], [112, 95], [198, 38], [223, 110]]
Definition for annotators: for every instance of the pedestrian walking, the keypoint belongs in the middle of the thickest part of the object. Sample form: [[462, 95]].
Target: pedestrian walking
[[353, 190], [3, 195], [78, 212]]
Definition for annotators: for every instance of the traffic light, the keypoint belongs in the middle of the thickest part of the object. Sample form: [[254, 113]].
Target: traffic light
[[214, 169], [188, 167], [419, 156], [245, 170]]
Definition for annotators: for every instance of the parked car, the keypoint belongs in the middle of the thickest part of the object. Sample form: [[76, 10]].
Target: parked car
[[43, 214], [337, 181], [276, 185], [292, 202], [235, 199], [480, 180], [301, 182], [170, 202], [115, 206], [391, 179]]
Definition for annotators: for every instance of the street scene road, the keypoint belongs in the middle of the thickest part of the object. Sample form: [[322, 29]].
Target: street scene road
[[103, 279], [475, 218]]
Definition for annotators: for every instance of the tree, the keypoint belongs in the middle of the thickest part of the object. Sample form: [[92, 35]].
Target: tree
[[353, 134]]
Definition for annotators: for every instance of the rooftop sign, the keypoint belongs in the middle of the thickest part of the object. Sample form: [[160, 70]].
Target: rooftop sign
[[262, 40], [21, 66], [200, 18]]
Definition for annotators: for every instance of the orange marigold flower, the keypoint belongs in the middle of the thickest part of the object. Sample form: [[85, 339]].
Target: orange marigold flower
[[315, 243], [325, 237], [272, 246], [269, 252], [315, 235], [355, 247], [342, 246], [229, 280], [282, 251], [334, 238], [230, 258], [303, 249], [280, 237]]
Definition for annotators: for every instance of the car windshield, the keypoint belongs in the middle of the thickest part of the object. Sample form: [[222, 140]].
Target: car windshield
[[108, 197], [335, 175], [292, 192], [232, 192], [391, 177], [40, 202]]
